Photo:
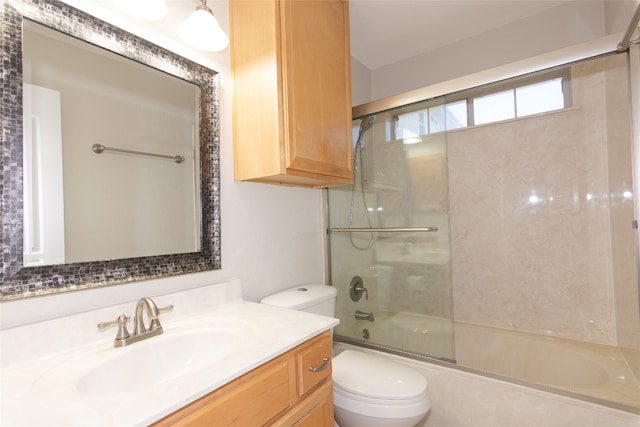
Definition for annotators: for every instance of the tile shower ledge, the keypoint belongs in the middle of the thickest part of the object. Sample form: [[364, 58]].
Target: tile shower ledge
[[31, 396]]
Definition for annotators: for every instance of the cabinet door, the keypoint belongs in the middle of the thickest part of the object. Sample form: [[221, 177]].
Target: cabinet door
[[316, 410], [317, 110]]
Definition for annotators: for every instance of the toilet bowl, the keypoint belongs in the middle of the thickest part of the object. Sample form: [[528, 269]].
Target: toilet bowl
[[368, 390], [372, 391]]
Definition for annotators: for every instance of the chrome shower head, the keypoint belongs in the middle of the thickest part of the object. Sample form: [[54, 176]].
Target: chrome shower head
[[366, 123]]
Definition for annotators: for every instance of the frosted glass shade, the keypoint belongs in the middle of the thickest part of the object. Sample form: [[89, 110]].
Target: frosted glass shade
[[202, 31]]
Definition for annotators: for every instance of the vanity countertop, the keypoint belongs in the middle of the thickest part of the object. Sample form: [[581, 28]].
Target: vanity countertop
[[45, 391]]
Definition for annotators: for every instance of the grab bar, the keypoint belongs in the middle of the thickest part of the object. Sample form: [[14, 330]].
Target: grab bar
[[384, 230], [99, 148]]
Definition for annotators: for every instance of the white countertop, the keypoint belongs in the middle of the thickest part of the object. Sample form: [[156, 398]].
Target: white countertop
[[38, 391]]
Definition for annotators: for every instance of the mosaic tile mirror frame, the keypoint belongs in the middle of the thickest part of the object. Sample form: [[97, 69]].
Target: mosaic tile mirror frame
[[19, 281]]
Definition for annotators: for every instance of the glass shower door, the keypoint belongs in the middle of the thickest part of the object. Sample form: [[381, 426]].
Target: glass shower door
[[389, 233]]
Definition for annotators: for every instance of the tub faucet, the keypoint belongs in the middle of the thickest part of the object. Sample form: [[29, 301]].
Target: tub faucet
[[140, 332], [361, 315]]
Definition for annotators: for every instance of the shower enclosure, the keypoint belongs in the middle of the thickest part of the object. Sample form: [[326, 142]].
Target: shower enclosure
[[493, 228], [390, 232]]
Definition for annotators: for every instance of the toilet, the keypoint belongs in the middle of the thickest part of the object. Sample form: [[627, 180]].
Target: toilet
[[368, 390]]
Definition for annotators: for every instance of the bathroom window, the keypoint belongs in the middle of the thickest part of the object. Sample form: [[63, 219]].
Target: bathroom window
[[520, 101], [431, 120], [494, 107], [507, 100]]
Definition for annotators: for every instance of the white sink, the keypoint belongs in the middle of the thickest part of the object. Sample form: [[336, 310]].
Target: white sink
[[146, 363], [64, 372]]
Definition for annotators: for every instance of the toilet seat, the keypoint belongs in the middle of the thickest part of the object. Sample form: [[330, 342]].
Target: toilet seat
[[389, 409], [367, 377], [377, 387]]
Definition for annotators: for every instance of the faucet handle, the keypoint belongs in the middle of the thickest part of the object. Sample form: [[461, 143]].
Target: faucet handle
[[121, 323], [356, 289], [165, 309], [154, 321]]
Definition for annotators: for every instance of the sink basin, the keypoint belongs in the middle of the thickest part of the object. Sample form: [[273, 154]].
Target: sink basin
[[158, 359], [146, 363]]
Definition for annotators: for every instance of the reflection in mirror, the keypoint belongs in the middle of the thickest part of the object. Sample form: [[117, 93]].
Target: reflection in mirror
[[79, 206], [121, 92]]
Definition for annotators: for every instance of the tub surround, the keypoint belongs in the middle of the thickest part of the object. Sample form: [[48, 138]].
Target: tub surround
[[27, 363], [464, 399], [560, 262], [581, 370], [594, 371]]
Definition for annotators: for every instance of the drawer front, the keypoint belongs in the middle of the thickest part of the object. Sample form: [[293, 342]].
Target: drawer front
[[314, 364], [253, 403]]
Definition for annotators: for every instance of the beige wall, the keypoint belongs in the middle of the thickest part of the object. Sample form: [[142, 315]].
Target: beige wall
[[627, 295], [360, 83], [623, 237], [552, 266]]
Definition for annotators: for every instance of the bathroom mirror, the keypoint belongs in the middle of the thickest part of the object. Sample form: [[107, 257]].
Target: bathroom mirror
[[110, 162], [138, 137]]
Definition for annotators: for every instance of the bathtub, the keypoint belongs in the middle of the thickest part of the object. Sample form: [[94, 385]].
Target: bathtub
[[581, 368]]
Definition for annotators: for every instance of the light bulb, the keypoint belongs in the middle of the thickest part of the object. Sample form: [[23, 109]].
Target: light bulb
[[202, 31]]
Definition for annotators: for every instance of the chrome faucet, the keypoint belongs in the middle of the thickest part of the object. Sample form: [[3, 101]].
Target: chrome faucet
[[361, 315], [140, 331]]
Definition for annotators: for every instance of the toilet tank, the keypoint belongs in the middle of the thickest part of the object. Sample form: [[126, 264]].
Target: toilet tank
[[317, 299]]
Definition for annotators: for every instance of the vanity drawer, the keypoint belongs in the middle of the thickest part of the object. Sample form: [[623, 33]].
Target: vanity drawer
[[313, 363], [282, 392], [254, 401]]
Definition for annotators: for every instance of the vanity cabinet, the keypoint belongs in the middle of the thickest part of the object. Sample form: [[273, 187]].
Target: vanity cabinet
[[282, 392], [292, 98]]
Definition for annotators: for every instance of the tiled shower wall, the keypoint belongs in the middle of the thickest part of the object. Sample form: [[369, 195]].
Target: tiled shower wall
[[540, 226]]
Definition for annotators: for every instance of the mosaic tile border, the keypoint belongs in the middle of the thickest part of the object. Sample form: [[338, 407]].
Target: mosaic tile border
[[19, 282]]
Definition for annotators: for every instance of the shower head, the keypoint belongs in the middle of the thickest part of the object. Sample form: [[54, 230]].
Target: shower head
[[366, 123]]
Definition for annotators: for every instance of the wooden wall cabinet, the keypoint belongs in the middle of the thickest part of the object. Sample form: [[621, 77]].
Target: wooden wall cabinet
[[283, 392], [292, 91]]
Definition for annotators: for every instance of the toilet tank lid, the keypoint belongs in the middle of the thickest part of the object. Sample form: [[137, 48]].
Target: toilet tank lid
[[301, 297]]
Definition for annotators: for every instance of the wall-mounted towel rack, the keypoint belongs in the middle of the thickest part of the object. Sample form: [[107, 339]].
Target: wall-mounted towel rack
[[99, 148], [384, 230]]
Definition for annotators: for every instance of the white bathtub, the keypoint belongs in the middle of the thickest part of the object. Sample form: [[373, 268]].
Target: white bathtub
[[587, 369]]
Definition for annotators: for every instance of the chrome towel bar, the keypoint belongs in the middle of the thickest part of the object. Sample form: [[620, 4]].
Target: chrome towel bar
[[384, 230], [99, 148]]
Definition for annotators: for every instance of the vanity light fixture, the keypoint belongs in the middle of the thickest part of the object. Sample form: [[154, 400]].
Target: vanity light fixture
[[146, 10], [202, 31]]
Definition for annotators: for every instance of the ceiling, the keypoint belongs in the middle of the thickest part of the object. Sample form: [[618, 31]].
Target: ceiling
[[387, 31]]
